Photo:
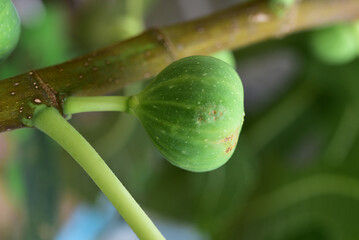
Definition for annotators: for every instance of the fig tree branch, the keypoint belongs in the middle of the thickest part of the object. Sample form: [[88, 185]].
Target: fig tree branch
[[110, 69]]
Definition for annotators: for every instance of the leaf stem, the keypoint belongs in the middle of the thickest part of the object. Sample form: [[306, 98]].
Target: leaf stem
[[49, 121], [96, 104]]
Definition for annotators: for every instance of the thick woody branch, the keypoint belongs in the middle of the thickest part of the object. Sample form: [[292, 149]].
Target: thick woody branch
[[142, 57]]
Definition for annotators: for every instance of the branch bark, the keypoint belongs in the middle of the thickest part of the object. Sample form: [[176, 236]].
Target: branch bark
[[142, 57]]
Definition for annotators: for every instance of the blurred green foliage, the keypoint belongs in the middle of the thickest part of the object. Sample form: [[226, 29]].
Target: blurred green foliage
[[294, 174]]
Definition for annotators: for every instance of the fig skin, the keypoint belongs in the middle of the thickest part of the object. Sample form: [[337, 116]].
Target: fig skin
[[336, 45], [193, 112], [9, 28]]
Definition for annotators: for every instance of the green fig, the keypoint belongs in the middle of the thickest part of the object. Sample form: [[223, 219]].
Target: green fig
[[335, 44], [280, 7], [226, 56], [193, 112], [9, 28]]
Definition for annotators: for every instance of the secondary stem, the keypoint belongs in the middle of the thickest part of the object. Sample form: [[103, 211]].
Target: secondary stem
[[49, 121], [96, 104]]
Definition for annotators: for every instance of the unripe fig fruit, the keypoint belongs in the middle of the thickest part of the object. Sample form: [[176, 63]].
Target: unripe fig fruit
[[9, 28], [336, 44], [193, 112]]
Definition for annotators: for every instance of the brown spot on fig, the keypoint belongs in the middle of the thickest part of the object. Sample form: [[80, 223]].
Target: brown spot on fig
[[230, 141]]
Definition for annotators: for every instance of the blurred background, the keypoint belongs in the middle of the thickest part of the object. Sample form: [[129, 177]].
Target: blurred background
[[294, 174]]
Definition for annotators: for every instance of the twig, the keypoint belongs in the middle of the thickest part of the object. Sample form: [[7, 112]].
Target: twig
[[142, 57]]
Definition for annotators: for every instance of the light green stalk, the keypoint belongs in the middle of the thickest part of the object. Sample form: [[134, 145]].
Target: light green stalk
[[96, 104], [49, 121]]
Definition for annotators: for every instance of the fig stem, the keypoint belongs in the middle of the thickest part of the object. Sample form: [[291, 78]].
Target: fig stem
[[96, 104], [50, 121]]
